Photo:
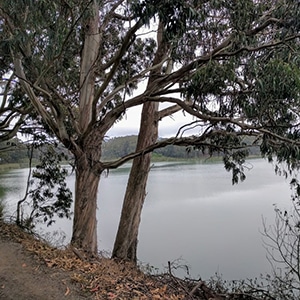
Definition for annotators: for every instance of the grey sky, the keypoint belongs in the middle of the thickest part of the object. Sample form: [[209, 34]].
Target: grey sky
[[167, 127]]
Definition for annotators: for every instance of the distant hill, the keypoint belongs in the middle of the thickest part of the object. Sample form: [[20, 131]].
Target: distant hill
[[121, 146], [15, 151]]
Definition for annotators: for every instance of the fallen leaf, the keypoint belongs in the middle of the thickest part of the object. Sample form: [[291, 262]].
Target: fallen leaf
[[111, 295], [67, 291], [95, 289], [155, 291]]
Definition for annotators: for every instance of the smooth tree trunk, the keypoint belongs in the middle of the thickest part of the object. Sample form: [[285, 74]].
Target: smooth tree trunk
[[125, 246], [88, 151]]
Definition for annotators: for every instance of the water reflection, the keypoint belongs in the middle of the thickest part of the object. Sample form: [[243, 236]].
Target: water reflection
[[192, 212]]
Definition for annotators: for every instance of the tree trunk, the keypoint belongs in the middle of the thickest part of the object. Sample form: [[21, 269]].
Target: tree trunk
[[89, 57], [84, 235], [88, 153], [125, 246]]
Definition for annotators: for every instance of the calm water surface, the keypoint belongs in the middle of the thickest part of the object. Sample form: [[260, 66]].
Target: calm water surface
[[191, 212]]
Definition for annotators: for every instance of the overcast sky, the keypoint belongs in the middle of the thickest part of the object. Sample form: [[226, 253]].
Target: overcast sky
[[167, 127], [130, 124]]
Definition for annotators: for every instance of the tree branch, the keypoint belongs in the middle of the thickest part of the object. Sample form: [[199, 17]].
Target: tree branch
[[183, 141], [134, 79], [166, 112], [128, 40], [9, 133], [60, 132]]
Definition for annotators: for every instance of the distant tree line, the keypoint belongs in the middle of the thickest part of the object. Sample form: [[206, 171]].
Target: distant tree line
[[13, 151], [121, 146], [16, 151]]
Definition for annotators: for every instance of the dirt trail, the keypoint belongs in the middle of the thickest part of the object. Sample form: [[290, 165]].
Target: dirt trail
[[23, 277], [31, 269]]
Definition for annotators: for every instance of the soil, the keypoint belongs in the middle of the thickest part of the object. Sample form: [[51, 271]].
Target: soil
[[30, 269], [24, 276], [21, 277]]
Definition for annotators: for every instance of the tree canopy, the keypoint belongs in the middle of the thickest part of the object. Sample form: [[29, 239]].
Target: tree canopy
[[222, 56], [74, 67]]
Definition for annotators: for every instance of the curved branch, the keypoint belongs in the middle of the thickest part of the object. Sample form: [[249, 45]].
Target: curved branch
[[166, 112], [128, 40], [6, 91], [59, 131], [183, 141], [7, 134], [135, 78], [259, 28]]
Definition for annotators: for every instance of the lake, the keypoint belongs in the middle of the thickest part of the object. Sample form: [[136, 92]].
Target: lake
[[192, 212]]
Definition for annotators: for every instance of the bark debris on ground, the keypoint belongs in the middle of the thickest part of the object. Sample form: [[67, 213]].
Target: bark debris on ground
[[30, 269]]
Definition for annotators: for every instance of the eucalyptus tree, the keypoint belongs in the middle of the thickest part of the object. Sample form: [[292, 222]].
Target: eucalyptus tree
[[78, 63], [75, 62], [239, 83]]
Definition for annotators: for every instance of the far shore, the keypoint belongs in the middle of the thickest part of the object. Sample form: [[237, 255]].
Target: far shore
[[156, 158]]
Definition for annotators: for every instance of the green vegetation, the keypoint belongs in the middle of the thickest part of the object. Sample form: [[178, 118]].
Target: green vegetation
[[121, 146], [4, 166], [15, 154], [13, 151]]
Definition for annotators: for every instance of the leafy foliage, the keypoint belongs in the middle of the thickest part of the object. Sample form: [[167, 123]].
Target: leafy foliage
[[74, 66], [13, 151], [49, 193]]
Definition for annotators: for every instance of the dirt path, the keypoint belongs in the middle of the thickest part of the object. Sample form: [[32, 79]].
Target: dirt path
[[24, 277], [30, 269]]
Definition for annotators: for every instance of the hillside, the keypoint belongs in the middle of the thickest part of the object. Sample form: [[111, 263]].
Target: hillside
[[17, 153], [121, 146]]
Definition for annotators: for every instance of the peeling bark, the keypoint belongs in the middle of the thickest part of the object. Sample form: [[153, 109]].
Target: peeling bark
[[87, 69], [85, 223], [125, 246]]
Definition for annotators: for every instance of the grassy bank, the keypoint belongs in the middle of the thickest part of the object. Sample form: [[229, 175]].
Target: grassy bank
[[21, 164]]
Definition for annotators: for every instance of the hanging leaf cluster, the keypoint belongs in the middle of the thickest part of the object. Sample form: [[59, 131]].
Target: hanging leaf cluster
[[211, 79], [232, 147], [49, 192], [276, 97]]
